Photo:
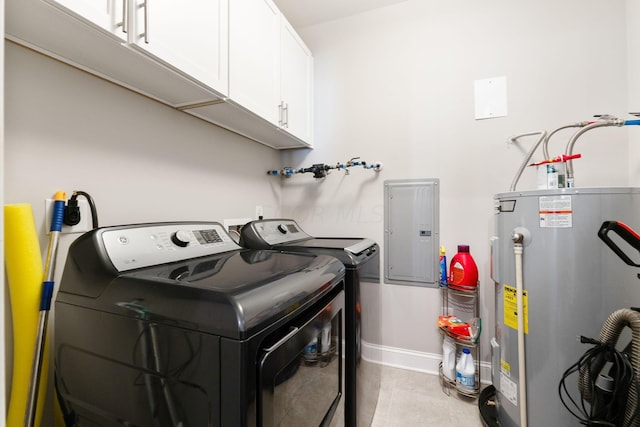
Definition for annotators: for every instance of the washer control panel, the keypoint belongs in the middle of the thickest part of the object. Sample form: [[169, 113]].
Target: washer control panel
[[131, 247], [276, 231]]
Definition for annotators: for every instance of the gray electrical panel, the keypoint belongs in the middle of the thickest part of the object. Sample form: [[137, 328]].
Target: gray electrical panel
[[411, 232]]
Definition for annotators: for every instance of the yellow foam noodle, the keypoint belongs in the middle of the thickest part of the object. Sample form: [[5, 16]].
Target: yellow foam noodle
[[24, 272]]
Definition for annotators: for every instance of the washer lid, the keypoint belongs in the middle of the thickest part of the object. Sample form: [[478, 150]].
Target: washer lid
[[354, 246], [352, 252], [233, 295], [286, 235], [205, 285]]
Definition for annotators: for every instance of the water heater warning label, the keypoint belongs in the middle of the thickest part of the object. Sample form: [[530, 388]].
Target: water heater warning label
[[555, 212], [511, 308]]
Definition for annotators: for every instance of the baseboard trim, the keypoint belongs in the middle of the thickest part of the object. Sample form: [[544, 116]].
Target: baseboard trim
[[412, 360]]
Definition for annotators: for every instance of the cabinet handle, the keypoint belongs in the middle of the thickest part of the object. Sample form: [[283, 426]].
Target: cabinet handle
[[146, 21], [280, 113], [285, 110], [125, 17]]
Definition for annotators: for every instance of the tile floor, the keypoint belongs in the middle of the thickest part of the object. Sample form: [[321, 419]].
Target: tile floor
[[409, 398]]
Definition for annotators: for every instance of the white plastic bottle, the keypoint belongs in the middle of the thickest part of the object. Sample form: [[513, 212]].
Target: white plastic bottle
[[466, 370], [325, 342], [449, 359]]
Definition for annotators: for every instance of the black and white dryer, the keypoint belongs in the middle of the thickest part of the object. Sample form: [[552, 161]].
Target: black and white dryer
[[361, 259]]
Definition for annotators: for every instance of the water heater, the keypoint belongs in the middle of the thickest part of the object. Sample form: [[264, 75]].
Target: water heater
[[571, 282]]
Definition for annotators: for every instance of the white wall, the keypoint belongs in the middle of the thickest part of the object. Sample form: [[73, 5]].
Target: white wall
[[395, 85], [633, 79], [140, 160]]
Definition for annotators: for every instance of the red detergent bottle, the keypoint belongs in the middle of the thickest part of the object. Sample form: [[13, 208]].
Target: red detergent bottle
[[463, 271]]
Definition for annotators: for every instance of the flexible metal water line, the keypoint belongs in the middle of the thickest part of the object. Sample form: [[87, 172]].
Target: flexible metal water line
[[545, 145], [513, 140], [610, 333], [518, 239], [612, 121], [605, 120]]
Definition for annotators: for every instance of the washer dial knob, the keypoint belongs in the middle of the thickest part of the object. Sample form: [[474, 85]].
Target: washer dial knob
[[181, 238], [282, 229]]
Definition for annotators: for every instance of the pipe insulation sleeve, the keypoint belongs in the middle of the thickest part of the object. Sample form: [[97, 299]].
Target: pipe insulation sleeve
[[23, 266]]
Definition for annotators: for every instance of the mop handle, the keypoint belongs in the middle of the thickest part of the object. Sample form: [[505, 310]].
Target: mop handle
[[45, 305]]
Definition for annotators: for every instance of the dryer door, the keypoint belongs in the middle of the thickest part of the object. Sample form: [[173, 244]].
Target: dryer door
[[301, 374]]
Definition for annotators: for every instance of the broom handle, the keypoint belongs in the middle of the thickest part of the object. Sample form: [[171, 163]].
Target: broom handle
[[45, 305]]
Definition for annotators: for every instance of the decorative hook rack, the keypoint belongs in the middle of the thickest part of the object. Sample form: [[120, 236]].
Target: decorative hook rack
[[321, 170]]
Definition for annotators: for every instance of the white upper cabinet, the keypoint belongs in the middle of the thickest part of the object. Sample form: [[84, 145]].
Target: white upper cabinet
[[98, 36], [188, 35], [296, 83], [270, 67], [235, 63], [254, 27], [111, 15]]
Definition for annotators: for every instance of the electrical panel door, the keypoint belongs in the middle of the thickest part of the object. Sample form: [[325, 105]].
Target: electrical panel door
[[411, 235]]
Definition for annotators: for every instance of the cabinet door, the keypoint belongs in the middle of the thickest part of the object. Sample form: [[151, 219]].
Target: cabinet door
[[106, 14], [296, 84], [191, 36], [253, 57]]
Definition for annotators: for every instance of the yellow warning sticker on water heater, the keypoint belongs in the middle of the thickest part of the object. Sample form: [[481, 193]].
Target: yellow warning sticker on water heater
[[505, 367], [511, 308]]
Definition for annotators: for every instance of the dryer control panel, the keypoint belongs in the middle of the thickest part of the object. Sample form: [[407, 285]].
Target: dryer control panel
[[137, 246], [270, 232]]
